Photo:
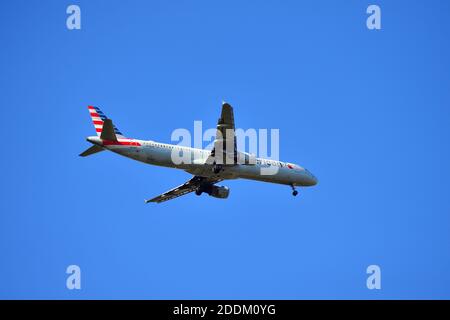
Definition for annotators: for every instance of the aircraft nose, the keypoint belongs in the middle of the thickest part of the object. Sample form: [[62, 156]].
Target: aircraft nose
[[312, 180]]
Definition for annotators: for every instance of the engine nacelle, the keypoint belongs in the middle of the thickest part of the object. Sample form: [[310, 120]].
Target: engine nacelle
[[221, 192]]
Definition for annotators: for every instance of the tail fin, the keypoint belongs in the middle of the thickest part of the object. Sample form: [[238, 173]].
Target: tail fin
[[98, 118]]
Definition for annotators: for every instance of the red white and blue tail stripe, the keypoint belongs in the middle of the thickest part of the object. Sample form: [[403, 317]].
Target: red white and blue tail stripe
[[97, 119]]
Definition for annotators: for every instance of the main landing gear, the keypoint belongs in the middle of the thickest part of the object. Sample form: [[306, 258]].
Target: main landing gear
[[294, 192]]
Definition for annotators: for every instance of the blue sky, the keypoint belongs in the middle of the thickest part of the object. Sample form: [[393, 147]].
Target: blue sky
[[366, 111]]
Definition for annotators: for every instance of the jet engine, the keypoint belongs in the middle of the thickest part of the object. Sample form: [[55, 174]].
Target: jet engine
[[221, 192]]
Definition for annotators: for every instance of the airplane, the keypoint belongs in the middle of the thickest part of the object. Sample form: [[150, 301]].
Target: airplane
[[208, 167]]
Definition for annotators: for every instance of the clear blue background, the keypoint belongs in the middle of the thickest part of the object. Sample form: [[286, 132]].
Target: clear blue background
[[365, 111]]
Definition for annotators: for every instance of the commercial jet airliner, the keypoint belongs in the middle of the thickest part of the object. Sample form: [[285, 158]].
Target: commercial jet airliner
[[208, 167]]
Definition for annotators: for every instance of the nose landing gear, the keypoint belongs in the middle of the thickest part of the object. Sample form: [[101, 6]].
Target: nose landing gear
[[294, 192]]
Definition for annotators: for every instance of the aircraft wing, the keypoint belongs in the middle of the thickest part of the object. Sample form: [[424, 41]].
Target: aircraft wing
[[224, 150], [183, 189]]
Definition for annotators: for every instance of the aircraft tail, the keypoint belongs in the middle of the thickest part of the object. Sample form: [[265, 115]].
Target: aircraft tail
[[101, 121]]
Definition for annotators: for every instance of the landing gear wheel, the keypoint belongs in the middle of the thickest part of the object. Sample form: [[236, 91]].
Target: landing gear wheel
[[198, 192], [294, 192], [217, 168]]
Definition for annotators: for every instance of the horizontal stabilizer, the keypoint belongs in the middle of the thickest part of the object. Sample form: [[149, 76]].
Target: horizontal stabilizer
[[91, 150]]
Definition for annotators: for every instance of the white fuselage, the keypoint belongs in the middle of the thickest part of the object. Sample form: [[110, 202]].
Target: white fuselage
[[160, 154]]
